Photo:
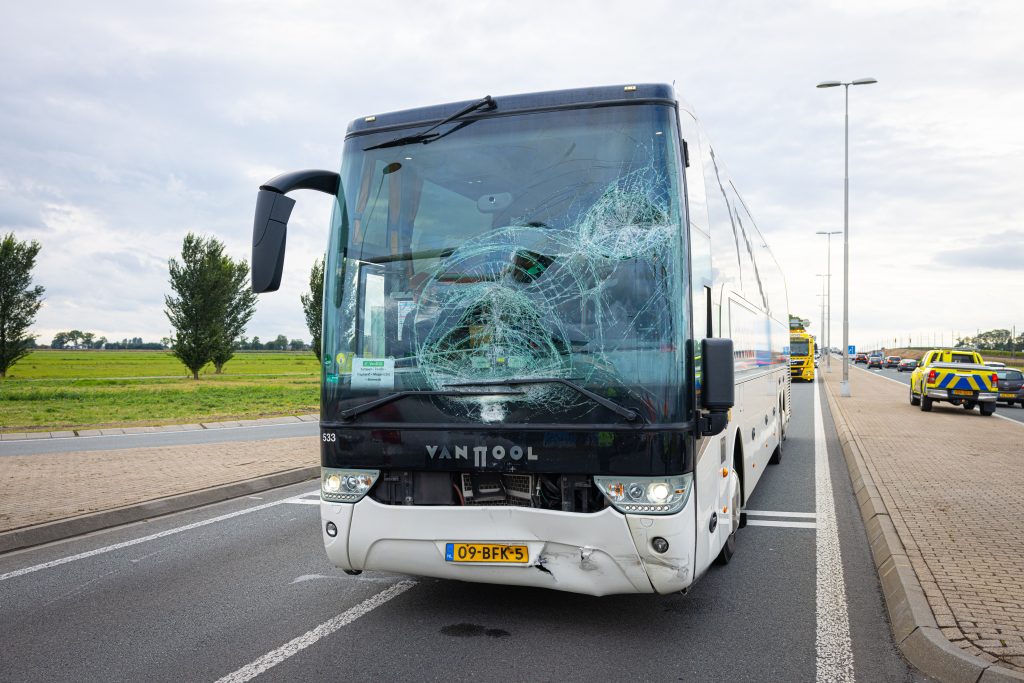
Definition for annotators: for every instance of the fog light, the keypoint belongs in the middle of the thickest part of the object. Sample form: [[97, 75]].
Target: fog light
[[332, 530], [659, 544]]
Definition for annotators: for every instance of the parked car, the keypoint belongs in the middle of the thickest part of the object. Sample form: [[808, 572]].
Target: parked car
[[875, 362], [906, 365], [860, 358], [892, 361], [1011, 386]]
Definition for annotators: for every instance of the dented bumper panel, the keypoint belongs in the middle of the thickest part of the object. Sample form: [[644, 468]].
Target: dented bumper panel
[[601, 553]]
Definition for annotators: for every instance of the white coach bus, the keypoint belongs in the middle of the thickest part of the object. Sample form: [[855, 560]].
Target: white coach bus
[[553, 342]]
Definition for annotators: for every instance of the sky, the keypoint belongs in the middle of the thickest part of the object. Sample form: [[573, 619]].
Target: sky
[[123, 126]]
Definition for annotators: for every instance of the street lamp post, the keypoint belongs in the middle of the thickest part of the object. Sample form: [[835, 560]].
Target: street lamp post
[[823, 297], [844, 386], [828, 275]]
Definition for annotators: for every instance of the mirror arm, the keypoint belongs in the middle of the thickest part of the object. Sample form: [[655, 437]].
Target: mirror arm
[[270, 224], [321, 181]]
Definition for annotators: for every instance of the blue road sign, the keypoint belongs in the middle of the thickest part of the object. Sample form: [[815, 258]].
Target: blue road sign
[[851, 350]]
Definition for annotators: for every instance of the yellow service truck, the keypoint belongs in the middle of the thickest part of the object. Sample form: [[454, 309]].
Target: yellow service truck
[[801, 351], [955, 376]]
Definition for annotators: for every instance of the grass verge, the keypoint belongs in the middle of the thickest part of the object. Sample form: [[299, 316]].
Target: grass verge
[[65, 390]]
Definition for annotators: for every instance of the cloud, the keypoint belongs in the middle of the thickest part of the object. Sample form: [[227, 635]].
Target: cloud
[[123, 128], [1003, 251]]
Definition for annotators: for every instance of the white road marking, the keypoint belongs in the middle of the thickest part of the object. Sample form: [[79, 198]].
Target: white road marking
[[292, 647], [362, 578], [136, 541], [775, 513], [791, 525], [303, 501], [834, 653]]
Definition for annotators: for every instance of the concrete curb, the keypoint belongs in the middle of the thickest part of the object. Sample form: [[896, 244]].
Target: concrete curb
[[113, 431], [913, 624], [25, 537]]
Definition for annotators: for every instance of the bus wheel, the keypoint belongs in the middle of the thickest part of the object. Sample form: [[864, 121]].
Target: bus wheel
[[729, 549], [914, 400]]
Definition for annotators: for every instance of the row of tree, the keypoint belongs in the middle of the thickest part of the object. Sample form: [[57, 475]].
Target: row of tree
[[279, 344], [76, 339], [210, 305], [994, 340]]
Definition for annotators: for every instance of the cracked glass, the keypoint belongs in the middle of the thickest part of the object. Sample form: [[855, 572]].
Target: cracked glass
[[532, 246]]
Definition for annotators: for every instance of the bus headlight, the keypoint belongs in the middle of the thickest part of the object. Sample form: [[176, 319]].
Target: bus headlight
[[346, 486], [647, 495]]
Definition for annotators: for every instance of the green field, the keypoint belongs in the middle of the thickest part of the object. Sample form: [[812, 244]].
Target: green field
[[61, 390]]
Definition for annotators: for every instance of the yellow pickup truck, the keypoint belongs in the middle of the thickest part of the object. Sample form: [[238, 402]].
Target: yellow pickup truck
[[957, 377]]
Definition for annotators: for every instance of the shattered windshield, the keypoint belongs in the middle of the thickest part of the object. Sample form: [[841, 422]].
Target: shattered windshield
[[535, 246]]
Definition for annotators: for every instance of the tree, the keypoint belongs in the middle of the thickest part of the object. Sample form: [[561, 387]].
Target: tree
[[313, 304], [202, 285], [213, 305], [19, 300], [60, 340], [296, 344], [238, 309]]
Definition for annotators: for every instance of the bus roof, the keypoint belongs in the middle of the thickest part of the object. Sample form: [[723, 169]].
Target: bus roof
[[552, 99]]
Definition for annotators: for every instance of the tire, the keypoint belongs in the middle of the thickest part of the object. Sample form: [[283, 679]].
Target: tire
[[969, 405], [729, 549], [776, 455], [987, 409], [926, 403], [914, 400]]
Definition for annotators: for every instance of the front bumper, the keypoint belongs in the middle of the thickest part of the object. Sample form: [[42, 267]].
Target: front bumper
[[601, 553]]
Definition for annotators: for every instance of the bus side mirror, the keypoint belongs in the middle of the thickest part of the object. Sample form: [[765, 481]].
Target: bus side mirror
[[719, 385], [270, 225], [269, 231]]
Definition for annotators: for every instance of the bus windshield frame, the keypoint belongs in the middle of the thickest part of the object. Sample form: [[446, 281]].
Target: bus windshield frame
[[541, 255]]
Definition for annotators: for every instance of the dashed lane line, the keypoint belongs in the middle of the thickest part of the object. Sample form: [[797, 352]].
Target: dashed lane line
[[789, 525], [776, 513], [834, 651], [143, 539], [296, 645]]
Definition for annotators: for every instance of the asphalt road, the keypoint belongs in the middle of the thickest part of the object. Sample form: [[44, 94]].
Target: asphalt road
[[1014, 412], [243, 588], [172, 438]]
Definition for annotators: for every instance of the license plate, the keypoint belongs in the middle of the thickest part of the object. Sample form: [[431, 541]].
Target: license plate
[[1007, 395], [486, 553], [962, 392]]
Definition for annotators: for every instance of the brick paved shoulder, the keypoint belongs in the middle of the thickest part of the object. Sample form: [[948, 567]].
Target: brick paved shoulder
[[953, 482], [42, 488]]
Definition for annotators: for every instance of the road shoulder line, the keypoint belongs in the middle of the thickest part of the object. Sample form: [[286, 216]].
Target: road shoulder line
[[61, 529], [910, 616]]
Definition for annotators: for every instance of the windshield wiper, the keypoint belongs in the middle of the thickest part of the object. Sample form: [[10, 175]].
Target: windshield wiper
[[370, 405], [600, 400], [429, 135]]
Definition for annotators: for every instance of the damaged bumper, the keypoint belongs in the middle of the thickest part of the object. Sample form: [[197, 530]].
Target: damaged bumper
[[601, 553]]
